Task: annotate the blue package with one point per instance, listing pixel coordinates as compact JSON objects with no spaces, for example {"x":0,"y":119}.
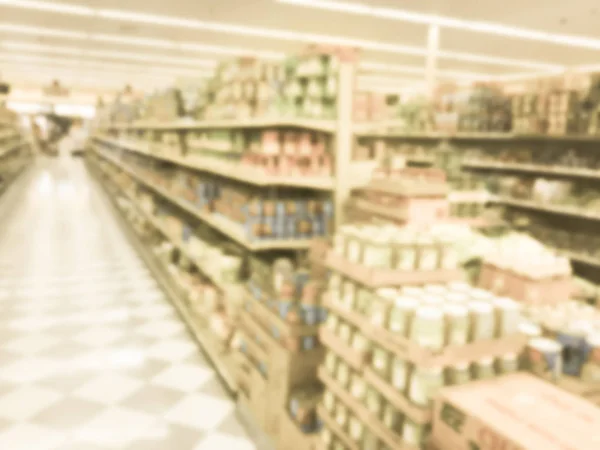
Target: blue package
{"x":323,"y":313}
{"x":310,"y":314}
{"x":308,"y":343}
{"x":284,"y":309}
{"x":573,"y":352}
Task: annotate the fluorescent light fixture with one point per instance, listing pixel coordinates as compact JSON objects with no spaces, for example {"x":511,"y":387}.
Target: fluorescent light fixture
{"x":140,"y":41}
{"x":41,"y":31}
{"x":157,"y":59}
{"x":55,"y":7}
{"x":284,"y":35}
{"x":449,"y":22}
{"x":79,"y":65}
{"x":379,"y":80}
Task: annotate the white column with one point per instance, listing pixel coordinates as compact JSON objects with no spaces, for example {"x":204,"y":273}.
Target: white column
{"x":343,"y":140}
{"x":433,"y":45}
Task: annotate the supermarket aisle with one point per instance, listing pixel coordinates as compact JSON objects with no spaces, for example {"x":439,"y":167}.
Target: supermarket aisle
{"x":92,"y":355}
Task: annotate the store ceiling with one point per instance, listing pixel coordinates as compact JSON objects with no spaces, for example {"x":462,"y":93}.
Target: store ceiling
{"x":76,"y":44}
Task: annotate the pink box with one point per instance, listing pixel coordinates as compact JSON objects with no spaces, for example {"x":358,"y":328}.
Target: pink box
{"x":514,"y":412}
{"x":505,"y":282}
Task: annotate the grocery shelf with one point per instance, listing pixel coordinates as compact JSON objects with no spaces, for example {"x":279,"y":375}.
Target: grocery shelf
{"x":225,"y":226}
{"x":8,"y":134}
{"x":11,"y":148}
{"x":325,"y":126}
{"x":540,"y":169}
{"x":580,"y":258}
{"x":378,"y":131}
{"x":180,"y":246}
{"x":577,"y":212}
{"x":336,"y":429}
{"x":228,"y":170}
{"x":223,"y":362}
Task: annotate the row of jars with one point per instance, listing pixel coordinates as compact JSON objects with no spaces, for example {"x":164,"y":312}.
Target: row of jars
{"x":380,"y":409}
{"x":393,"y":247}
{"x":432,"y":316}
{"x":419,"y":384}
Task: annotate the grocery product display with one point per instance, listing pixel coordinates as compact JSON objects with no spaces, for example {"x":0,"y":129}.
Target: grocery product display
{"x":15,"y":151}
{"x":365,"y":265}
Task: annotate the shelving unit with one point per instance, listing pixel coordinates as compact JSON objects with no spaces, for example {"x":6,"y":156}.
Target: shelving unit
{"x":15,"y":153}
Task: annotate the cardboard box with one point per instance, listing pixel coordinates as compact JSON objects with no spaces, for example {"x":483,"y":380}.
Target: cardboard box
{"x":514,"y":412}
{"x":551,"y":290}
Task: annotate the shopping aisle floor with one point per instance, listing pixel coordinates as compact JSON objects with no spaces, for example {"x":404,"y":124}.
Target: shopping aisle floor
{"x":92,"y":355}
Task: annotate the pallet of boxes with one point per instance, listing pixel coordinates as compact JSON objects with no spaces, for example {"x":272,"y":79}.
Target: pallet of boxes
{"x":401,"y":326}
{"x":280,"y":352}
{"x":564,"y":344}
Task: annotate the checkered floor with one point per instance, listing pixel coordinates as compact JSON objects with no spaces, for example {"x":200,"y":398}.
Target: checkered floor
{"x":92,"y":355}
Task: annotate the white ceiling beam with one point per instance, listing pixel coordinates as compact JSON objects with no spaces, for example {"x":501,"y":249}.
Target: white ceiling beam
{"x":66,"y":50}
{"x":489,"y":28}
{"x":268,"y":33}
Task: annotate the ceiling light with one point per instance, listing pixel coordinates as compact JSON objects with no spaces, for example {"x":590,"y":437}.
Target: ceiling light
{"x":157,"y":59}
{"x":41,"y":31}
{"x":86,"y":63}
{"x":285,"y":35}
{"x":449,"y":22}
{"x":145,"y":42}
{"x":56,"y":7}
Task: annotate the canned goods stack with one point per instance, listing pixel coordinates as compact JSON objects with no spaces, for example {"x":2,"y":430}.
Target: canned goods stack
{"x":564,"y":346}
{"x":392,"y":346}
{"x":279,"y":341}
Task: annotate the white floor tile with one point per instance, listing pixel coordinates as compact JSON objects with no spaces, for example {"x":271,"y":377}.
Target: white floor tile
{"x":31,"y":343}
{"x":216,"y":441}
{"x":109,"y":388}
{"x":31,"y":437}
{"x":173,"y":349}
{"x":200,"y":411}
{"x":183,"y":377}
{"x":29,"y":369}
{"x":99,"y":336}
{"x":161,"y":328}
{"x":23,"y":404}
{"x":116,"y":427}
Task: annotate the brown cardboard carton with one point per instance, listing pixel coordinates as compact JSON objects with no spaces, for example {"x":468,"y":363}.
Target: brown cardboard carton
{"x":514,"y":412}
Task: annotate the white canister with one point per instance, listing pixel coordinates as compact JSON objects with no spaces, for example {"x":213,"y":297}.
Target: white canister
{"x":529,"y":329}
{"x":335,"y":286}
{"x":326,"y":437}
{"x":436,"y":289}
{"x":508,"y":315}
{"x":433,"y":300}
{"x":358,"y":387}
{"x":356,"y":429}
{"x":457,"y":297}
{"x":508,"y":363}
{"x":449,"y":255}
{"x":348,"y":294}
{"x":332,"y":323}
{"x":457,"y":324}
{"x":377,"y":252}
{"x":331,"y":361}
{"x":328,"y":401}
{"x":354,"y":243}
{"x":413,"y":291}
{"x":480,"y":295}
{"x":381,"y":362}
{"x":345,"y":332}
{"x":342,"y":375}
{"x":459,"y":286}
{"x":427,"y":329}
{"x":424,"y":384}
{"x":484,"y":369}
{"x":341,"y":415}
{"x":429,"y":254}
{"x":402,"y":314}
{"x":459,"y":373}
{"x":405,"y":251}
{"x":413,"y":433}
{"x":399,"y":374}
{"x":483,"y":320}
